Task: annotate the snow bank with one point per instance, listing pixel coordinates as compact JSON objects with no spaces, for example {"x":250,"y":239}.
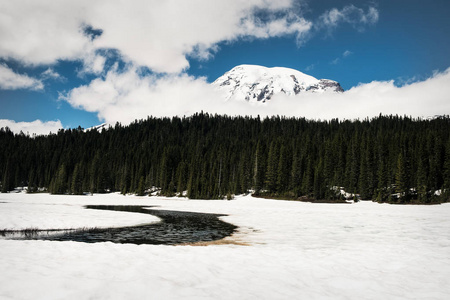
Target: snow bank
{"x":297,"y":251}
{"x":44,"y":211}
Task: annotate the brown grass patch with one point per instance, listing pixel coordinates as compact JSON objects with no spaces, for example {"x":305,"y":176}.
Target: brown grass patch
{"x":224,"y":241}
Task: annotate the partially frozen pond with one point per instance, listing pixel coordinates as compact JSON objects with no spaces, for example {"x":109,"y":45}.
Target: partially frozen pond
{"x":176,"y":227}
{"x":295,"y":250}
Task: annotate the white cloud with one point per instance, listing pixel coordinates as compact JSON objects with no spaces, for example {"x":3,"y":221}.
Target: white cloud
{"x":52,"y":74}
{"x":126,"y":96}
{"x":349,"y":14}
{"x":42,"y":31}
{"x":93,"y":64}
{"x":36,"y":127}
{"x":347,"y":53}
{"x":275,"y":27}
{"x":9,"y":80}
{"x":335,"y":61}
{"x":310,"y":67}
{"x":426,"y":98}
{"x":152,"y":33}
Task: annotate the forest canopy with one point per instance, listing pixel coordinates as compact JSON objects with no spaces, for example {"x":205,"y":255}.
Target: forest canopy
{"x":387,"y":159}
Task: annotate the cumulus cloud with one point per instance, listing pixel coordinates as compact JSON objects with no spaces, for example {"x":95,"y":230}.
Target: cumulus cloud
{"x":152,"y":33}
{"x":9,"y":80}
{"x":36,"y":127}
{"x":42,"y":31}
{"x":127,"y":96}
{"x":350,"y":14}
{"x":93,"y":64}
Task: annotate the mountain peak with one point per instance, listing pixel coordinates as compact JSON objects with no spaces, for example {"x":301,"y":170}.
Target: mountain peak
{"x":258,"y":84}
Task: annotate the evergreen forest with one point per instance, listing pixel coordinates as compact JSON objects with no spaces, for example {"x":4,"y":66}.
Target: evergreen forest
{"x":386,"y":159}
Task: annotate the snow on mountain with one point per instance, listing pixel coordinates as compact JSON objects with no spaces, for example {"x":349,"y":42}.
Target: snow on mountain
{"x":258,"y":84}
{"x":99,"y":128}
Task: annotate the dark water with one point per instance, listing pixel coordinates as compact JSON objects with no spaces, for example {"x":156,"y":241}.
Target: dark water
{"x":175,"y":228}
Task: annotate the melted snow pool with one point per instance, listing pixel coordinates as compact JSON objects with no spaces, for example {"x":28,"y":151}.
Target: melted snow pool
{"x":175,"y":227}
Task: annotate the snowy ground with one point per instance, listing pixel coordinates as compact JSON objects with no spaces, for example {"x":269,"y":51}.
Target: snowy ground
{"x":296,"y":251}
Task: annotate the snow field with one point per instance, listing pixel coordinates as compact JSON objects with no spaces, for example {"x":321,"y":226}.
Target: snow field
{"x":297,"y":251}
{"x":44,"y":211}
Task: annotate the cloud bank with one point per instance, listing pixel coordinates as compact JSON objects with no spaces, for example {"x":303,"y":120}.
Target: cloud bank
{"x":36,"y":127}
{"x":127,"y":96}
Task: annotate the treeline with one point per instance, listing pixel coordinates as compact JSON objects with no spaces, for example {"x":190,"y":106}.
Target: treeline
{"x":387,"y":159}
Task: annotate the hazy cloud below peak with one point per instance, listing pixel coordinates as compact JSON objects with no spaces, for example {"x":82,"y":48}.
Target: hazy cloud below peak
{"x":126,"y":96}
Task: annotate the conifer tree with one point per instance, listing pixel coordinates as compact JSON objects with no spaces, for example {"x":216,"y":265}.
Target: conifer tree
{"x":258,"y":169}
{"x":446,"y":172}
{"x":272,"y":168}
{"x":32,"y":188}
{"x":401,"y":179}
{"x":296,"y":174}
{"x":77,"y":181}
{"x":422,"y":187}
{"x":60,"y":181}
{"x":141,"y":187}
{"x":7,"y":181}
{"x":283,"y":171}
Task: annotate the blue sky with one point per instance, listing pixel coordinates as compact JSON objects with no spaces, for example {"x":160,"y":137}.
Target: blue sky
{"x":53,"y":69}
{"x":410,"y":40}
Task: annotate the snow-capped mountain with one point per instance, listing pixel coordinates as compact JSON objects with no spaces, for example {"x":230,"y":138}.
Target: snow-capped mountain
{"x":258,"y":84}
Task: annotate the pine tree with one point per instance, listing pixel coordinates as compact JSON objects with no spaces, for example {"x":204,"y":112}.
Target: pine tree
{"x":60,"y":181}
{"x":7,"y":181}
{"x":308,"y":179}
{"x":283,"y":171}
{"x":258,"y":169}
{"x":422,"y":187}
{"x":77,"y":181}
{"x":181,"y":177}
{"x":32,"y":188}
{"x":319,"y":186}
{"x":125,"y":181}
{"x":164,"y":173}
{"x":401,"y":179}
{"x":296,"y":174}
{"x":141,"y":187}
{"x":272,"y":168}
{"x":446,"y":172}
